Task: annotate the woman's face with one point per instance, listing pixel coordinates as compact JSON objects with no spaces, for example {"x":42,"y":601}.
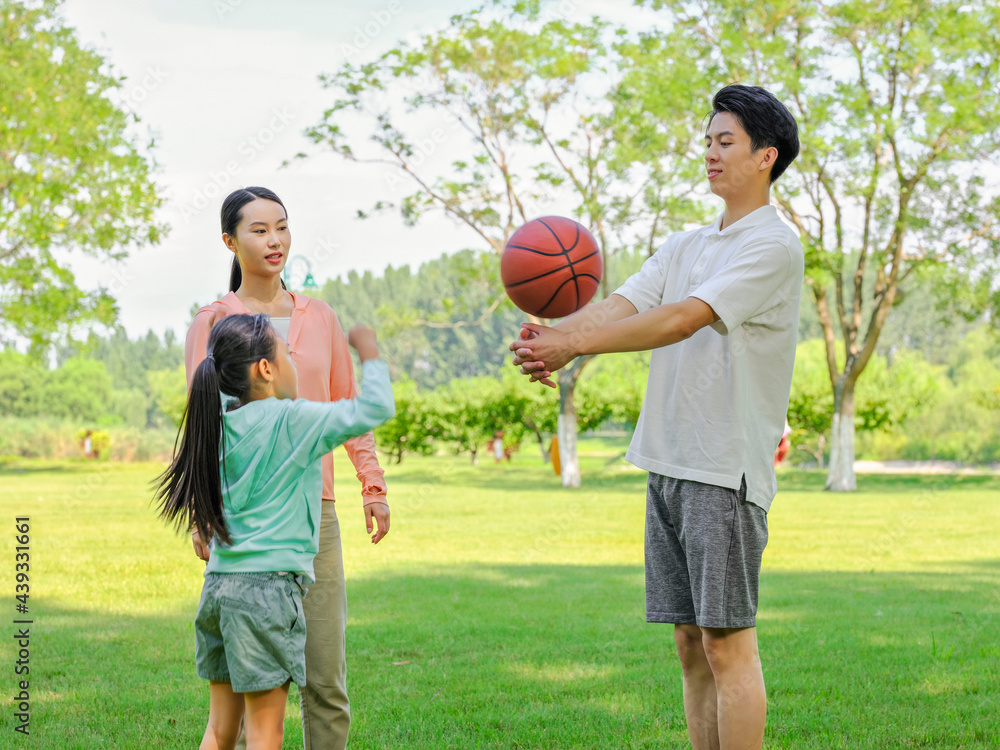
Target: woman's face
{"x":262,"y":239}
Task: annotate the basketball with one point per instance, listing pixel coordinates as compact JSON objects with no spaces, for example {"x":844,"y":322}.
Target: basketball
{"x":551,"y":267}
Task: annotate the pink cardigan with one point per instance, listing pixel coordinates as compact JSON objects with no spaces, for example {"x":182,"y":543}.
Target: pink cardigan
{"x":321,"y":355}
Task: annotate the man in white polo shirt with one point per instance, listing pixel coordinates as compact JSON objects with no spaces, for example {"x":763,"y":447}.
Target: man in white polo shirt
{"x":719,"y":308}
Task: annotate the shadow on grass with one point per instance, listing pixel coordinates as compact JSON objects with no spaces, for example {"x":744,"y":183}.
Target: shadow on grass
{"x":16,"y":466}
{"x":560,"y":657}
{"x":543,"y":656}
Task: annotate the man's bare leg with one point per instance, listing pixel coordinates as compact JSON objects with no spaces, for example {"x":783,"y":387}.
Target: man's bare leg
{"x":701,"y":704}
{"x":739,"y":684}
{"x":724,"y":697}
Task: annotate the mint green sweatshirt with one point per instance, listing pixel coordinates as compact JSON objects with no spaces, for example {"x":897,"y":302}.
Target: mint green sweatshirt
{"x":273,"y":479}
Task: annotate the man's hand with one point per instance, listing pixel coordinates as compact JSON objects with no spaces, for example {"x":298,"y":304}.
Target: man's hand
{"x":200,"y":547}
{"x":380,"y":513}
{"x":542,"y":350}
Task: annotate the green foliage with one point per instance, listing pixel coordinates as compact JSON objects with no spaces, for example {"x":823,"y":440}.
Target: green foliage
{"x":80,"y":389}
{"x":128,"y":360}
{"x":898,"y":112}
{"x":72,"y":176}
{"x":449,"y":318}
{"x":907,"y":408}
{"x":529,"y":115}
{"x":168,"y":389}
{"x":100,"y":442}
{"x":445,"y":319}
{"x":613,"y":388}
{"x":964,"y":423}
{"x":467,"y":413}
{"x":38,"y":437}
{"x":21,"y":385}
{"x":49,"y":438}
{"x":410,"y":430}
{"x":111,"y":381}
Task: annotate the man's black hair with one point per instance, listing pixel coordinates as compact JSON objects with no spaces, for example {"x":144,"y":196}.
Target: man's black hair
{"x":766,"y":120}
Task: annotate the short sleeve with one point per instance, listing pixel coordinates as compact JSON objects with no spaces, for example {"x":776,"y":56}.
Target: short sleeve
{"x":753,"y":281}
{"x":644,"y":289}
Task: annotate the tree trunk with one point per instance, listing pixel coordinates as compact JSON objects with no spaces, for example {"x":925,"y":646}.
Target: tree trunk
{"x":567,"y":450}
{"x":541,"y":439}
{"x":475,"y":457}
{"x":568,"y":378}
{"x":841,"y":477}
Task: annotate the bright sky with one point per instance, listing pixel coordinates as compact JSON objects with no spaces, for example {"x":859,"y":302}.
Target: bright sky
{"x":227,"y":88}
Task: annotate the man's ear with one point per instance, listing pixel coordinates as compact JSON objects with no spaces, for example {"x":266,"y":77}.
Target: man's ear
{"x":770,"y":156}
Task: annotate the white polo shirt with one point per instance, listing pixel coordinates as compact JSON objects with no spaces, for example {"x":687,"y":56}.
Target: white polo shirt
{"x":716,"y":403}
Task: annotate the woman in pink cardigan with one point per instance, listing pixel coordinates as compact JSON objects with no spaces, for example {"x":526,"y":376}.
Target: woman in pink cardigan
{"x":255,"y":229}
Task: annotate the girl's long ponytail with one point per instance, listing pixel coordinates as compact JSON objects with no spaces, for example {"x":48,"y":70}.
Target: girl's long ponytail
{"x":189,"y":492}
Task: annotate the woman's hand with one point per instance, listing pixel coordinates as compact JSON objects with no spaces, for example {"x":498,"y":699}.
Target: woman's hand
{"x":380,"y":512}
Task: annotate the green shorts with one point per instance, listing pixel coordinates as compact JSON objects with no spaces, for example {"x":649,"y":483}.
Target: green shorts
{"x":250,"y":630}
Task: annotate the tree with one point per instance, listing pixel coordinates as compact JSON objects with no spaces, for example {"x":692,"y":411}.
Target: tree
{"x":168,"y":396}
{"x":20,"y":387}
{"x":526,"y":408}
{"x":465,"y":413}
{"x":72,"y":176}
{"x":898,"y":105}
{"x":445,"y":318}
{"x":411,"y":427}
{"x":891,"y":395}
{"x":531,"y":125}
{"x":79,"y":390}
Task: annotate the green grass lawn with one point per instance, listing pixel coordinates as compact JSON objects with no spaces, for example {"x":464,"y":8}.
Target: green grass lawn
{"x":505,"y":612}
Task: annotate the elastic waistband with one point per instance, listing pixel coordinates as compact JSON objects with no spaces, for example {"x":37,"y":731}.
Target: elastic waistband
{"x":266,"y":580}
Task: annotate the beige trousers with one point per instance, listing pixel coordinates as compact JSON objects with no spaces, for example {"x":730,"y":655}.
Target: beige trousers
{"x":326,"y":711}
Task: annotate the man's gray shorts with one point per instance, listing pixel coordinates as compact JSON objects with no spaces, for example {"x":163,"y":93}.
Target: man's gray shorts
{"x":703,"y":549}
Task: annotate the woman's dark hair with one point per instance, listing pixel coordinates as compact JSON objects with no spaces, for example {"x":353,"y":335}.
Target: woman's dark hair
{"x":766,"y":120}
{"x":232,"y":215}
{"x":189,"y":492}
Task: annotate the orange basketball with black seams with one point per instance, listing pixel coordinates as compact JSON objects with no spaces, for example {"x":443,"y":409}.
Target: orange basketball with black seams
{"x":551,"y":267}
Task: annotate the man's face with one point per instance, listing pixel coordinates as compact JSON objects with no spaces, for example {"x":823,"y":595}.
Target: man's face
{"x":732,"y":166}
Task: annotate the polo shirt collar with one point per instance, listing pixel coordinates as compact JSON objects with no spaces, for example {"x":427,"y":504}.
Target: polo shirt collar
{"x":762,"y":215}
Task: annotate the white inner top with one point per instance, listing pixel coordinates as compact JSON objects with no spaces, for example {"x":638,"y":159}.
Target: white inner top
{"x":281,"y":325}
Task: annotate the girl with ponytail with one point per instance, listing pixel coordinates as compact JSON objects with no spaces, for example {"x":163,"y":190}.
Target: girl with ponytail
{"x":255,"y":229}
{"x":248,"y":476}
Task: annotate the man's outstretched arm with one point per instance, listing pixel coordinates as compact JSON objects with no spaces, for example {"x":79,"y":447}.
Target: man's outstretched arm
{"x":660,"y":326}
{"x":609,"y":310}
